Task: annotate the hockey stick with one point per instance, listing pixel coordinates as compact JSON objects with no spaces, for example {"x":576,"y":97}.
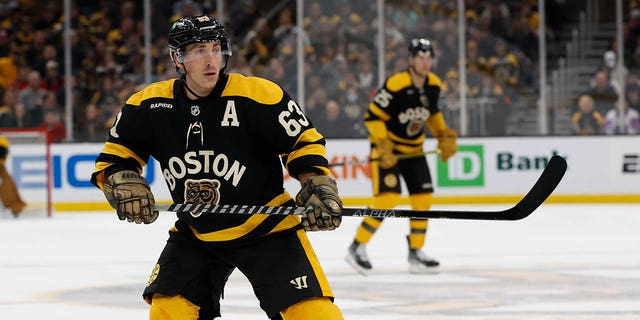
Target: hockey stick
{"x":547,"y":182}
{"x":400,"y":157}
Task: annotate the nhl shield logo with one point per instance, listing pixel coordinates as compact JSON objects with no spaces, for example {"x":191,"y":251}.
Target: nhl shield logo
{"x":195,"y":110}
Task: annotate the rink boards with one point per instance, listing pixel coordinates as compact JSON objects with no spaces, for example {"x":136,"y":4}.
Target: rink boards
{"x":485,"y":170}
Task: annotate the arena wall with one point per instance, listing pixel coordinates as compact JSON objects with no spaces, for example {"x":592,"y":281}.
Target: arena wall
{"x":485,"y":170}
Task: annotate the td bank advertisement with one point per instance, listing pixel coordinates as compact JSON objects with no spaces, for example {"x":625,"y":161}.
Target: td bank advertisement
{"x":600,"y":169}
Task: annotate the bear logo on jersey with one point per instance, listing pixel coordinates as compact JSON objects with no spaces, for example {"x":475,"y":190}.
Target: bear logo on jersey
{"x":203,"y":191}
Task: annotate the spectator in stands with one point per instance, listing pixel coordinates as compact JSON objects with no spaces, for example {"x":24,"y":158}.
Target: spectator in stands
{"x":54,"y":80}
{"x":107,"y":95}
{"x":504,"y":65}
{"x":633,"y":95}
{"x":39,"y":52}
{"x":9,"y":99}
{"x":497,"y":103}
{"x":524,"y":37}
{"x":5,"y":43}
{"x":185,"y":8}
{"x":315,"y":22}
{"x":285,"y":39}
{"x":622,"y":122}
{"x":276,"y":72}
{"x":366,"y":76}
{"x":316,"y":96}
{"x":9,"y":68}
{"x":586,"y":120}
{"x":244,"y":13}
{"x":603,"y":93}
{"x":610,"y":67}
{"x":475,"y":63}
{"x":20,"y":113}
{"x":93,"y":129}
{"x":53,"y":123}
{"x":499,"y":15}
{"x":333,"y":123}
{"x":450,"y":98}
{"x":24,"y":34}
{"x":31,"y":97}
{"x":257,"y":43}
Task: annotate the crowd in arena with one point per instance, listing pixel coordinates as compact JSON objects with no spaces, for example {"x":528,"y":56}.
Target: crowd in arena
{"x":340,"y":48}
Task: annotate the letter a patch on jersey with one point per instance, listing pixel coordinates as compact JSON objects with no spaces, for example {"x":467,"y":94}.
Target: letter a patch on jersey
{"x":230,"y":117}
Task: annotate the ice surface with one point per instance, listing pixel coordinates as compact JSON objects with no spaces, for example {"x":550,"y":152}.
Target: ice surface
{"x":562,"y":262}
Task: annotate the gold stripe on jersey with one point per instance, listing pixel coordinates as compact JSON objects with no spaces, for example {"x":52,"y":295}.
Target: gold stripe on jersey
{"x":122,"y":152}
{"x":377,"y":130}
{"x":416,"y":141}
{"x":307,"y":145}
{"x":378,"y":112}
{"x":250,"y":224}
{"x":117,"y":150}
{"x":402,"y":80}
{"x":407,"y":145}
{"x":434,"y":80}
{"x":163,"y":89}
{"x":315,"y":264}
{"x":399,"y":81}
{"x":257,"y":89}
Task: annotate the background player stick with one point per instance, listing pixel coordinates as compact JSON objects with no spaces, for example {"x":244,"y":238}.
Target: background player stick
{"x":400,"y":157}
{"x":547,"y":182}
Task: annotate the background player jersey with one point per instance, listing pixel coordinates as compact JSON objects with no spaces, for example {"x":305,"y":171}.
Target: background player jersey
{"x":225,"y":148}
{"x":404,"y":109}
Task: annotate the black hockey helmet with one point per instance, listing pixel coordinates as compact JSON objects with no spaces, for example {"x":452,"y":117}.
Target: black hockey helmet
{"x":193,"y":29}
{"x":421,"y":46}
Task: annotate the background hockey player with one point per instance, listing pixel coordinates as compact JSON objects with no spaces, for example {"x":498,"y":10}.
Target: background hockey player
{"x":222,"y":139}
{"x":395,"y":122}
{"x":9,"y":194}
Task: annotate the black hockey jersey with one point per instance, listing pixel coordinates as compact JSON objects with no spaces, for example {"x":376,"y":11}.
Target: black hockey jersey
{"x":400,"y":110}
{"x":226,"y":148}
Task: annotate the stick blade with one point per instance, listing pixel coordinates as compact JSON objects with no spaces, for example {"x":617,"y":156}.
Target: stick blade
{"x":542,"y":189}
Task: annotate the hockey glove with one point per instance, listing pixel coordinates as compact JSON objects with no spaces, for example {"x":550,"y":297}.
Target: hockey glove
{"x":447,"y":143}
{"x":130,"y":194}
{"x":323,"y":207}
{"x":386,"y":156}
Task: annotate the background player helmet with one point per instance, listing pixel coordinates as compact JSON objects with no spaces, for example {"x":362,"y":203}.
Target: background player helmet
{"x":194,"y":29}
{"x":421,"y":46}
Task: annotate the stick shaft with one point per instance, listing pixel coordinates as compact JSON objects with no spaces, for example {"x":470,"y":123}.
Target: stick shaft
{"x":544,"y":186}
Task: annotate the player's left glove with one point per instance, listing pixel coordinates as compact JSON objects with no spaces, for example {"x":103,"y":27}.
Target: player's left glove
{"x":130,"y":194}
{"x":447,"y":144}
{"x":323,"y":207}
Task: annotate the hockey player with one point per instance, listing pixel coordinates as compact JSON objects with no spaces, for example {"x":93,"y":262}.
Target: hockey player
{"x":222,"y":139}
{"x":8,"y":192}
{"x":395,"y":121}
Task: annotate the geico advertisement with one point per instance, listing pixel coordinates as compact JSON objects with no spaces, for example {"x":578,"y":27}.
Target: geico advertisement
{"x":506,"y":166}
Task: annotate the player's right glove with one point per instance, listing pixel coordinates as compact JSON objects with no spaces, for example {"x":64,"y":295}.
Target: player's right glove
{"x":323,"y":207}
{"x":130,"y":194}
{"x":385,"y":153}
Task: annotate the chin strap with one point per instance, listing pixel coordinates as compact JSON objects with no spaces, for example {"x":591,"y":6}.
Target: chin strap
{"x":184,"y":81}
